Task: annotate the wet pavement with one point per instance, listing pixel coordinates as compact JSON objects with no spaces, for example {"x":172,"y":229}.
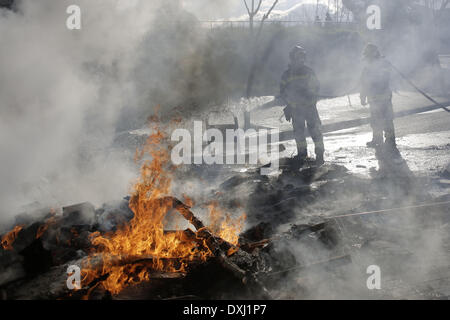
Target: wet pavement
{"x":423,"y":138}
{"x":411,"y":249}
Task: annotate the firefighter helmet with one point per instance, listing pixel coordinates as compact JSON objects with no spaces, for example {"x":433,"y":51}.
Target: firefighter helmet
{"x":297,"y":53}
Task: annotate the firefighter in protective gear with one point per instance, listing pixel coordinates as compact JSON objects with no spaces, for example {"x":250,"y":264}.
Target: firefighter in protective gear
{"x":376,"y":91}
{"x":299,"y":89}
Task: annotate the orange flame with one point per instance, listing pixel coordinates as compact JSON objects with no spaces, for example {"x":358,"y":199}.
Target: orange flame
{"x":9,"y":238}
{"x":144,"y":237}
{"x":223,"y":225}
{"x":49,"y":222}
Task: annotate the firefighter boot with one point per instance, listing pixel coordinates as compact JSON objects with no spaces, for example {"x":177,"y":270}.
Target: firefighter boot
{"x":320,"y":150}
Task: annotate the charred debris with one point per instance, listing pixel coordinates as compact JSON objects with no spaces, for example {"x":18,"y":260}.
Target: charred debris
{"x":273,"y":258}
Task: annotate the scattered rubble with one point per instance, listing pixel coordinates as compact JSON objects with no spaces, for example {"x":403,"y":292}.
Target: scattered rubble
{"x":315,"y":221}
{"x":35,"y":267}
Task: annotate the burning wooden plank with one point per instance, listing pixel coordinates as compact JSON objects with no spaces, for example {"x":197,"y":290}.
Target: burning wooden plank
{"x":215,"y":247}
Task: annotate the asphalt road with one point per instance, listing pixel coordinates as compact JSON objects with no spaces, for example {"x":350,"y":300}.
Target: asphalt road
{"x":423,"y":137}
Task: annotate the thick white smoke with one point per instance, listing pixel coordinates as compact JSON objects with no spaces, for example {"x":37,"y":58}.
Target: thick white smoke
{"x":214,"y":9}
{"x":61,"y":92}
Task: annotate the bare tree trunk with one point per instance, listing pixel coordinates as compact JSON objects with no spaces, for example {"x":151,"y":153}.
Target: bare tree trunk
{"x":265,"y":17}
{"x":444,"y":5}
{"x":252,"y":13}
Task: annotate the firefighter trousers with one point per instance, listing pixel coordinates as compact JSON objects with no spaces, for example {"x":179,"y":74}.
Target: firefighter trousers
{"x":382,"y":122}
{"x":307,"y":117}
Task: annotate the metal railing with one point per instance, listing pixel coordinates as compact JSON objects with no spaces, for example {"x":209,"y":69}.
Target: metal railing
{"x":445,"y":60}
{"x":286,"y":23}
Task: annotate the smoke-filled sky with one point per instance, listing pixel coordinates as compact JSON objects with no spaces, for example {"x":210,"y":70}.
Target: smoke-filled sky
{"x":61,"y":92}
{"x":219,"y":9}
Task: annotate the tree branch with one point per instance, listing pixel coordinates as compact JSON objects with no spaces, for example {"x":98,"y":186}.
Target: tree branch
{"x":444,"y":5}
{"x":258,"y":7}
{"x":246,"y":6}
{"x":266,"y":16}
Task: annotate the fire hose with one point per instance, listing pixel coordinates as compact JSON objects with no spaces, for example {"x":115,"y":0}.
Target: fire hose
{"x":348,"y":92}
{"x":404,"y":77}
{"x":347,"y":258}
{"x":416,"y":87}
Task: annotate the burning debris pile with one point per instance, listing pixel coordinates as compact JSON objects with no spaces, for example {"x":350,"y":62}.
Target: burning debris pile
{"x":36,"y":257}
{"x":153,"y":245}
{"x":126,"y":250}
{"x":157,"y":264}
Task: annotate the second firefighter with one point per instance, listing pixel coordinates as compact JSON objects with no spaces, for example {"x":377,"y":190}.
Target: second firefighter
{"x":299,"y":89}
